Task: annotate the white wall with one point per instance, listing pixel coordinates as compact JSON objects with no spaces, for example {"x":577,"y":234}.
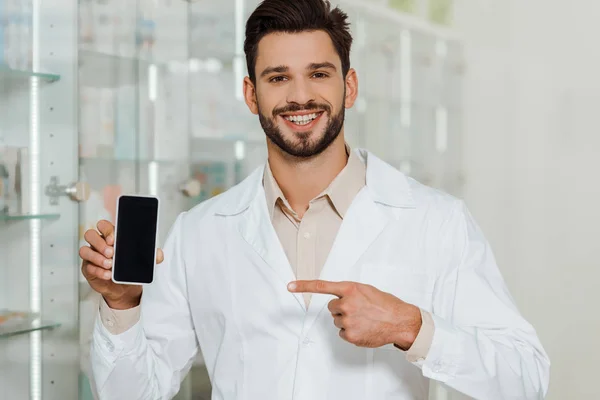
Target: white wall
{"x":532,"y":160}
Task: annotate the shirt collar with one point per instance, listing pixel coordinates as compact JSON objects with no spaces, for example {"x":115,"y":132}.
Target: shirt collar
{"x":341,"y":191}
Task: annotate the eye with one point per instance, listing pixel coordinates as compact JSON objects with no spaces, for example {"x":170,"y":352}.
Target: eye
{"x":277,"y":79}
{"x":320,"y":75}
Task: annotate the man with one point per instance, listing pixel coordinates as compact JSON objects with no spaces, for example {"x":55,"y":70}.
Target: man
{"x":391,"y":283}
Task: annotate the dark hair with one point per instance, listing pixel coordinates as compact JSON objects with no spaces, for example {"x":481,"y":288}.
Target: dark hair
{"x":295,"y":16}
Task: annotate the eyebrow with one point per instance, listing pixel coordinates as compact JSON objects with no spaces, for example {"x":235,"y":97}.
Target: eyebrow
{"x":323,"y":65}
{"x":270,"y":70}
{"x":280,"y":69}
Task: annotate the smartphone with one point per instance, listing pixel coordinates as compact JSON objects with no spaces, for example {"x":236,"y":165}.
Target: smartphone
{"x":136,"y":232}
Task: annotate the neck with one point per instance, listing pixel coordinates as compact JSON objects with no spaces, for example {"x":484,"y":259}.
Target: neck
{"x":301,"y":180}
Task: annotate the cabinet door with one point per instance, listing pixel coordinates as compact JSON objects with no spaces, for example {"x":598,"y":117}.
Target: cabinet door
{"x":39,"y":262}
{"x":134,"y":120}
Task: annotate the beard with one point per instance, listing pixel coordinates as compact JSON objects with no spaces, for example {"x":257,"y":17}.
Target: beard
{"x":304,"y":147}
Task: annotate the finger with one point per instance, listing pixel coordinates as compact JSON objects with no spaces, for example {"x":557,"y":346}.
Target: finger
{"x":91,"y":256}
{"x":110,"y":240}
{"x":98,"y":243}
{"x":107,"y":230}
{"x":160,"y":256}
{"x":338,"y":322}
{"x":339,"y":289}
{"x":97,"y":272}
{"x":334,"y":307}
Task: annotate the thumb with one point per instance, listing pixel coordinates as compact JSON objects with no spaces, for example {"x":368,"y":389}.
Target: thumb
{"x":160,"y":256}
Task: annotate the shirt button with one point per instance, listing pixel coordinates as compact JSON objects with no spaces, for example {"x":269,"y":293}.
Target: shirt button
{"x":307,"y":342}
{"x":306,"y":235}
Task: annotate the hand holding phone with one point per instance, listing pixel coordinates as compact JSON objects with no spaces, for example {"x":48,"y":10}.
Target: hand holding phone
{"x":97,"y":267}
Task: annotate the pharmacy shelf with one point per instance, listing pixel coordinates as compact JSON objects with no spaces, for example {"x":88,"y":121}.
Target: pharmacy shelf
{"x":103,"y":70}
{"x":27,"y":326}
{"x":46,"y":217}
{"x":215,"y":145}
{"x":110,"y":71}
{"x":11,"y":75}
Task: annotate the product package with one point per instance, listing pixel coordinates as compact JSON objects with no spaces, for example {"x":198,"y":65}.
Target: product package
{"x":15,"y":180}
{"x":8,"y":195}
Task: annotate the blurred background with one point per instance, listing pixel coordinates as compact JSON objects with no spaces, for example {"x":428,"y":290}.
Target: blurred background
{"x":496,"y":102}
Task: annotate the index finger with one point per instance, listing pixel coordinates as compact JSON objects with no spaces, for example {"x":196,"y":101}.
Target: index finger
{"x":339,"y":289}
{"x":106,"y":229}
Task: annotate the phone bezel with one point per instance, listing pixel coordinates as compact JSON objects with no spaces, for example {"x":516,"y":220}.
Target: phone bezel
{"x":115,"y":243}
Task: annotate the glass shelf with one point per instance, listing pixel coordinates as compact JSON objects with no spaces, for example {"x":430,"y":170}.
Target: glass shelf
{"x":48,"y":217}
{"x":10,"y":76}
{"x":27,"y":326}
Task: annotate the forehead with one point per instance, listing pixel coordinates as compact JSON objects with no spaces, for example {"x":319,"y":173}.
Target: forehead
{"x":296,"y":50}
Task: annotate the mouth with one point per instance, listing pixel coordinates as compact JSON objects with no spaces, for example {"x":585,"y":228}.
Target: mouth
{"x":304,"y":120}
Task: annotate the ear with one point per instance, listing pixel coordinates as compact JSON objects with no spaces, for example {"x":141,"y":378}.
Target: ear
{"x":351,"y":88}
{"x":250,"y":95}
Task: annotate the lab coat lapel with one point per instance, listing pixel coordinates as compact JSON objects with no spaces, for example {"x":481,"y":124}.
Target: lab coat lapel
{"x":361,"y":226}
{"x":257,"y":229}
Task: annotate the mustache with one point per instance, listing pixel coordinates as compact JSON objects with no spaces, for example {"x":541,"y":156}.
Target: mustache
{"x":293,"y":107}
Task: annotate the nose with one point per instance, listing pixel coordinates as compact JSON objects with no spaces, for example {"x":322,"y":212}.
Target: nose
{"x":300,"y":92}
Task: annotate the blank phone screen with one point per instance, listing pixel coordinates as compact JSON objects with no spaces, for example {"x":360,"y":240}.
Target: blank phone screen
{"x":135,"y":243}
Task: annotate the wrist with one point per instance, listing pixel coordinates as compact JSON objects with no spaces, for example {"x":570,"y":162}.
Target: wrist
{"x":123,"y":304}
{"x":408,"y":329}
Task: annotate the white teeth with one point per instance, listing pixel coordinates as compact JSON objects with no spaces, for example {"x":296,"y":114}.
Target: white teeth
{"x":301,"y":119}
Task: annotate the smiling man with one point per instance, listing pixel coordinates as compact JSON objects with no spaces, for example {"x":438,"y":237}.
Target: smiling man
{"x":326,"y":274}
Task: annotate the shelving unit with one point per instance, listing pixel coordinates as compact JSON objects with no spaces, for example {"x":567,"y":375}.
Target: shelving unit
{"x":39,"y":357}
{"x":14,"y":218}
{"x":9,"y":75}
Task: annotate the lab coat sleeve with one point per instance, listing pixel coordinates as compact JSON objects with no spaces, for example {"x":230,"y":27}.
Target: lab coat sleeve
{"x":482,"y":346}
{"x":150,"y":360}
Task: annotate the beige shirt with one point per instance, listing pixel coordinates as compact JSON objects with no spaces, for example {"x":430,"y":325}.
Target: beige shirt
{"x":306,"y":242}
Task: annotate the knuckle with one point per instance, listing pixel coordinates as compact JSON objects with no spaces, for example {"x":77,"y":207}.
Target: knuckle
{"x":320,"y":285}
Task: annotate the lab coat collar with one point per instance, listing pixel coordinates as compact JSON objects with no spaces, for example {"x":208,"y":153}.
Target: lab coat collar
{"x":387,"y":186}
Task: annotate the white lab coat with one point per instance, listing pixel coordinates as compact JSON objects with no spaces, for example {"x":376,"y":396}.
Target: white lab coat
{"x":222,"y":288}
